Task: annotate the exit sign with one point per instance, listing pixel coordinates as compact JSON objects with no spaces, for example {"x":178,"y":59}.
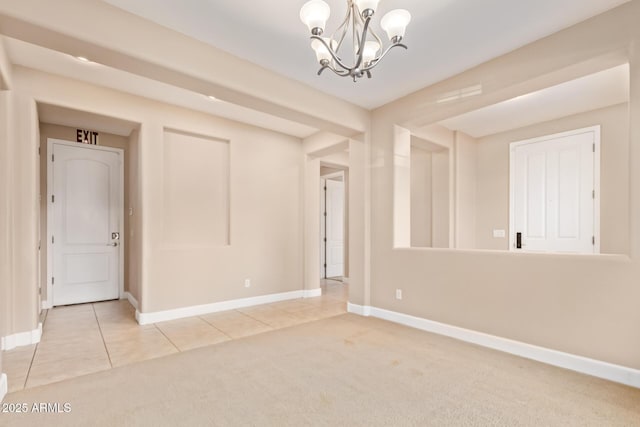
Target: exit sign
{"x":86,"y":136}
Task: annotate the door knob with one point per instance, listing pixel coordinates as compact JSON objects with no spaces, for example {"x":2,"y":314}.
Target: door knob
{"x":112,"y":244}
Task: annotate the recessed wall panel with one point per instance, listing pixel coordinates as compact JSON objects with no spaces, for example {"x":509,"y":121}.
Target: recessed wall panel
{"x":196,"y":190}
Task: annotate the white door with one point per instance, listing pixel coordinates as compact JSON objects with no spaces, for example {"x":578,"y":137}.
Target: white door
{"x":85,"y":200}
{"x":335,"y":228}
{"x":553,"y":193}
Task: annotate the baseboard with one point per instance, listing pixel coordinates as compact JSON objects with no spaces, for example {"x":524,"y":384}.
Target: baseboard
{"x":21,"y":339}
{"x":132,"y":300}
{"x":593,"y":367}
{"x":4,"y":386}
{"x":46,"y":305}
{"x":198,"y":310}
{"x":312,"y":293}
{"x":362,"y":310}
{"x":345,"y":280}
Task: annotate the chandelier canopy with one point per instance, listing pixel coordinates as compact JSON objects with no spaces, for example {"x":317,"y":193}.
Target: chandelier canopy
{"x":367,"y":45}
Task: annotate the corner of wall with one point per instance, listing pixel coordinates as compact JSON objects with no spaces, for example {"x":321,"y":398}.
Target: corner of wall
{"x":4,"y":386}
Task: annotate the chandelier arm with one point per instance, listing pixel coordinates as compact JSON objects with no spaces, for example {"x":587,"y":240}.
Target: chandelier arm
{"x":375,"y":36}
{"x":344,"y":28}
{"x":329,"y":67}
{"x":333,"y":54}
{"x":377,"y":60}
{"x":361,"y":43}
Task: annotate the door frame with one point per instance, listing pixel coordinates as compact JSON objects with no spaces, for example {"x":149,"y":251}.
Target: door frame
{"x":596,"y":178}
{"x":50,"y":142}
{"x":323,"y":219}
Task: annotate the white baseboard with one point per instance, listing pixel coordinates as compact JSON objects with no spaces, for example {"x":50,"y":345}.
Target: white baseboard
{"x":4,"y":386}
{"x":362,"y":310}
{"x":593,"y":367}
{"x":345,"y":280}
{"x":46,"y":305}
{"x":312,"y":293}
{"x":132,"y":300}
{"x":21,"y":339}
{"x":198,"y":310}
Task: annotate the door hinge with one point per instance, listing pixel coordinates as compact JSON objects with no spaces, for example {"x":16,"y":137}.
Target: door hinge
{"x":38,"y":150}
{"x":53,"y":239}
{"x":593,"y":194}
{"x":593,"y":240}
{"x":325,"y":240}
{"x":53,"y":280}
{"x":53,"y":198}
{"x":594,"y":147}
{"x":53,"y":157}
{"x":325,"y":214}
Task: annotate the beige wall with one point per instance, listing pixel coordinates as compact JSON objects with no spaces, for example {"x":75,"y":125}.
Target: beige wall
{"x":66,"y":133}
{"x":421,"y":198}
{"x":429,"y":196}
{"x":492,"y":199}
{"x":133,"y":222}
{"x":23,"y":212}
{"x":465,"y":190}
{"x":266,"y":202}
{"x":5,"y":238}
{"x":441,"y":198}
{"x":585,"y":305}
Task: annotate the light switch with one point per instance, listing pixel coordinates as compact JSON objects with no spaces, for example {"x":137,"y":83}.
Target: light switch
{"x":499,"y":234}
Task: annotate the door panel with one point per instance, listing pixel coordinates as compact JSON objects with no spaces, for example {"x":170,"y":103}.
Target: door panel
{"x":335,"y":228}
{"x":86,"y":211}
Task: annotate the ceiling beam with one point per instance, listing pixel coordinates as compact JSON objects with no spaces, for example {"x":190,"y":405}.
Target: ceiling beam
{"x":114,"y":38}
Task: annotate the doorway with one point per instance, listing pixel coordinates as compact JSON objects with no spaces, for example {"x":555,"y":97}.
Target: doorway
{"x":555,"y":192}
{"x":85,"y":186}
{"x":332,"y":226}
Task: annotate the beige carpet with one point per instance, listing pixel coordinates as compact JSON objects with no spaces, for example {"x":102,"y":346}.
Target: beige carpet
{"x":346,"y":370}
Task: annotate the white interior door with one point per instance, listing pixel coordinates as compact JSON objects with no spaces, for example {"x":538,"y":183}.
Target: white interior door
{"x":554,"y":193}
{"x":335,"y":228}
{"x":85,"y":200}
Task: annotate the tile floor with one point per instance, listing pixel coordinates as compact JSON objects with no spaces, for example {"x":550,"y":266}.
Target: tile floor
{"x":82,"y":339}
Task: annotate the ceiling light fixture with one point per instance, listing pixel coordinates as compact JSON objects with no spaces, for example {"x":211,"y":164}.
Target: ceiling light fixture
{"x":367,"y":46}
{"x":82,"y":59}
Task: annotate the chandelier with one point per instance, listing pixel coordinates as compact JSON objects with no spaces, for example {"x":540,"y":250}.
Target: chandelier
{"x":367,"y":46}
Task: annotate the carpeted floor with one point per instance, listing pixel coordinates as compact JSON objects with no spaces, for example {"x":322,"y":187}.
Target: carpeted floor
{"x":347,"y":370}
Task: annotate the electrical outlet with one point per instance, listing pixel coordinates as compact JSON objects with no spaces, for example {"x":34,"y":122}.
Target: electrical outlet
{"x":247,"y":283}
{"x":398,"y":293}
{"x":499,"y":234}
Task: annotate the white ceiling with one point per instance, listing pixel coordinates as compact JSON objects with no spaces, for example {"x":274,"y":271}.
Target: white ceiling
{"x":599,"y":90}
{"x":445,"y":37}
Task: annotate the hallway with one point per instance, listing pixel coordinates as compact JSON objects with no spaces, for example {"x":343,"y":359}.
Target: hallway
{"x":87,"y":338}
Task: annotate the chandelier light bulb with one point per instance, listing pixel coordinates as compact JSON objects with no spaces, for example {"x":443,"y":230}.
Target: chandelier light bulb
{"x":364,"y":5}
{"x":371,"y":49}
{"x":322,"y":53}
{"x":314,"y":14}
{"x":395,"y":23}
